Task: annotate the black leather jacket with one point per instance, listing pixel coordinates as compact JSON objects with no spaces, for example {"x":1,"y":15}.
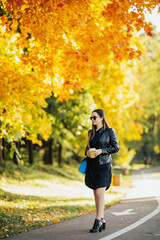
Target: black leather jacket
{"x":108,"y":143}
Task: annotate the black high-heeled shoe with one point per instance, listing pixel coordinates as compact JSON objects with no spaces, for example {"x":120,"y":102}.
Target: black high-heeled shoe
{"x":103,"y":223}
{"x":97,"y":226}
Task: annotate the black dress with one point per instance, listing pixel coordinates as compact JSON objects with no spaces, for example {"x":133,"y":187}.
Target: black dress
{"x":97,"y":176}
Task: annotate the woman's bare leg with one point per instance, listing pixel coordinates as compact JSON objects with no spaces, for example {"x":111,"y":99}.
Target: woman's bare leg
{"x":94,"y":191}
{"x":99,"y":202}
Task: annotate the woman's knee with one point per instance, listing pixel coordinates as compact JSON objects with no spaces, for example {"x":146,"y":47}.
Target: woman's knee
{"x":100,"y":192}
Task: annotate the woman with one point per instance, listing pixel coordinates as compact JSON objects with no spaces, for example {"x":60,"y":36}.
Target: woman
{"x":99,"y":173}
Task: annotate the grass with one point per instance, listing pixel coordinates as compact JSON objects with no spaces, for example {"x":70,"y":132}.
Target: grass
{"x":139,"y":166}
{"x":22,"y":213}
{"x":39,"y":195}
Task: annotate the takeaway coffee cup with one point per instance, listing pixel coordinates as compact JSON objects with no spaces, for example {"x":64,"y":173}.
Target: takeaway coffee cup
{"x":92,"y":152}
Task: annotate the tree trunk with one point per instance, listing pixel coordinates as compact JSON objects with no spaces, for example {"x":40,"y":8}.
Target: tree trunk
{"x":48,"y":155}
{"x":50,"y":152}
{"x":45,"y":156}
{"x":4,"y":149}
{"x":30,"y":148}
{"x":14,"y":157}
{"x":60,"y":155}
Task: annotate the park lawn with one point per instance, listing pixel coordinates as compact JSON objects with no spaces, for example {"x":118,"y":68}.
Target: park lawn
{"x":38,"y":195}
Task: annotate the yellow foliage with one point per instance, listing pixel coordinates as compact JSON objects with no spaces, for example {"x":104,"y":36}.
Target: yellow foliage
{"x":52,"y":46}
{"x":21,"y":97}
{"x":125,"y":156}
{"x":70,"y":40}
{"x":157,"y":149}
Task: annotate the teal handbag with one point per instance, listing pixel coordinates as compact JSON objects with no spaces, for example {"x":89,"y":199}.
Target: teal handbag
{"x":83,"y":166}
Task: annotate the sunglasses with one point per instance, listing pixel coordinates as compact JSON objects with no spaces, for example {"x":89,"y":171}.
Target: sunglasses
{"x":94,"y":117}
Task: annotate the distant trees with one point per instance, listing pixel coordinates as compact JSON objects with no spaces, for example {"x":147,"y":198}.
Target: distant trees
{"x":148,"y":75}
{"x":69,"y":124}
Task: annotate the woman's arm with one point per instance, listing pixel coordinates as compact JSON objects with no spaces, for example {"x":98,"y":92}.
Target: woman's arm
{"x":114,"y":144}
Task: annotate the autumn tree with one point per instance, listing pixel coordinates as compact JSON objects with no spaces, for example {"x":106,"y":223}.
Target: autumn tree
{"x":116,"y":91}
{"x":60,"y":46}
{"x":70,"y":124}
{"x":148,"y":74}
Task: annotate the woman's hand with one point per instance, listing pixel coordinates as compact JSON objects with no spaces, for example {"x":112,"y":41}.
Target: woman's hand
{"x":88,"y":154}
{"x":97,"y":152}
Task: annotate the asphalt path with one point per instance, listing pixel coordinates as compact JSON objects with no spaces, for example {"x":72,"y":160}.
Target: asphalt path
{"x":136,"y":217}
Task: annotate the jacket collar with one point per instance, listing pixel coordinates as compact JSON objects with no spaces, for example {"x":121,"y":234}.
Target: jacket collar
{"x":101,"y":130}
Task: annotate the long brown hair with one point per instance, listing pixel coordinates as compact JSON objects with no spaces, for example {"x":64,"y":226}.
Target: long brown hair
{"x":101,"y":113}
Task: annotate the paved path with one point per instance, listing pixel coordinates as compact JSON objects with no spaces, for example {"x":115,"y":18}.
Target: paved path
{"x":137,"y":217}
